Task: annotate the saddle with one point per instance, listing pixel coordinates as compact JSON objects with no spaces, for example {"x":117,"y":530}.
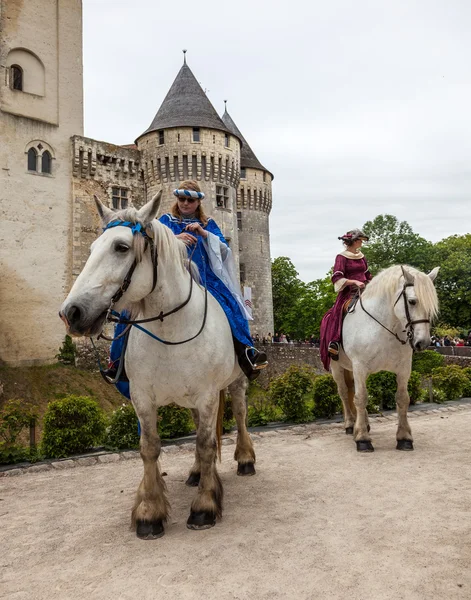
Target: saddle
{"x":350,"y":304}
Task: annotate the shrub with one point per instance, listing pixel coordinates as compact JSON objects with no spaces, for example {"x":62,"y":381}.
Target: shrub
{"x":414,"y":387}
{"x":327,"y":402}
{"x":424,"y":362}
{"x":467,"y":387}
{"x":228,"y":420}
{"x":438,"y":396}
{"x":122,"y":432}
{"x":174,"y":421}
{"x":450,"y":380}
{"x":67,"y":352}
{"x":15,"y":417}
{"x":289,"y":392}
{"x":72,"y":425}
{"x":382,"y":387}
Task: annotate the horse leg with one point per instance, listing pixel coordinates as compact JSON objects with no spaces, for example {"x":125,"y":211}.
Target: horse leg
{"x":195,"y":471}
{"x":361,"y":430}
{"x":404,"y":433}
{"x":340,"y":377}
{"x":207,"y":505}
{"x":350,"y":410}
{"x":151,"y":506}
{"x":244,"y":453}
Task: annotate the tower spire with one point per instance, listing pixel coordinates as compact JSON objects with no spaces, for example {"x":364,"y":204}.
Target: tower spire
{"x":184,"y":57}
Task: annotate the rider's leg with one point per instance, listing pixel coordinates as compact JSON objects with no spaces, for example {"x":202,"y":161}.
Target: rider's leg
{"x":251,"y":360}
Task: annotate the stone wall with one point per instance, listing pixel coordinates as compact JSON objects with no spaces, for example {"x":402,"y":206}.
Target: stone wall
{"x":36,"y":206}
{"x":254,"y":201}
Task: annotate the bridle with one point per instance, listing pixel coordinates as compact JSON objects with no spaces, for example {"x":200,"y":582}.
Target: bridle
{"x":115,"y":317}
{"x":409,"y":330}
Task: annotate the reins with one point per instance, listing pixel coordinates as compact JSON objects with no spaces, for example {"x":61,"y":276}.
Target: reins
{"x":409,"y":330}
{"x":115,"y":317}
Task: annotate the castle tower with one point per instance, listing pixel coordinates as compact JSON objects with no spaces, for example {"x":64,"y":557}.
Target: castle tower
{"x":188,"y":140}
{"x":254,"y":201}
{"x":41,"y":107}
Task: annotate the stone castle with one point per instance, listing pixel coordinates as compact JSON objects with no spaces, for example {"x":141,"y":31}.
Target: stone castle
{"x":49,"y":173}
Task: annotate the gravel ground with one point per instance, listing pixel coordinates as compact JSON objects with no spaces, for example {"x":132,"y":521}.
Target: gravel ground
{"x":319,"y":521}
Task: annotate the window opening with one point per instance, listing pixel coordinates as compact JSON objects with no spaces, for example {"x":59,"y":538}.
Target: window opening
{"x":239,"y":221}
{"x":196,"y":134}
{"x":119,"y":197}
{"x":46,"y":162}
{"x":161,"y":137}
{"x":222,"y":196}
{"x":17,"y":78}
{"x":226,"y":140}
{"x":32,"y":160}
{"x":243,"y":173}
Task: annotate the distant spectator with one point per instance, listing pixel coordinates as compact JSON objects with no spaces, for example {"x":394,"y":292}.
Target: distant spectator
{"x":276,"y":338}
{"x":446,"y":341}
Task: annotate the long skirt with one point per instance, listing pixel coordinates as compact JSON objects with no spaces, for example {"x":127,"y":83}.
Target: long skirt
{"x":331,"y":326}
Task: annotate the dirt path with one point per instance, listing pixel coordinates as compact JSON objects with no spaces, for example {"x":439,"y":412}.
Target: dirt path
{"x":319,"y":521}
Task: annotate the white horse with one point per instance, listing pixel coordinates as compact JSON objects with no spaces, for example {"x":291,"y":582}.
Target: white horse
{"x":145,"y":269}
{"x":391,"y":320}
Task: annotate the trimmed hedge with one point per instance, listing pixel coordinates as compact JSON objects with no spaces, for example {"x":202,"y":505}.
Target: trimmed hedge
{"x":450,"y":380}
{"x":122,"y":432}
{"x":71,"y":426}
{"x":424,"y":362}
{"x":327,"y":402}
{"x":174,"y":421}
{"x":290,"y":393}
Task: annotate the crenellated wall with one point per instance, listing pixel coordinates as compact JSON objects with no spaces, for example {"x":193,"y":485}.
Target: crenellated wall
{"x":98,"y":168}
{"x":208,"y":161}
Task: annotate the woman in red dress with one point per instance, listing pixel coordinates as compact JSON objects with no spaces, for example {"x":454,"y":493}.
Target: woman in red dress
{"x":350,"y":274}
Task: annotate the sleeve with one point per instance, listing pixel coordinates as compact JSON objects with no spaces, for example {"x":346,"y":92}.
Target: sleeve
{"x":222,"y":263}
{"x":368,"y":275}
{"x":338,"y":277}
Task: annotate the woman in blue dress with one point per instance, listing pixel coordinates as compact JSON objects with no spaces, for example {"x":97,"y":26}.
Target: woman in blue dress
{"x":211,"y":253}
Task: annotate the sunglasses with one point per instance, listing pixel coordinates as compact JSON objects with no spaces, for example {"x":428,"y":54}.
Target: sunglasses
{"x":189,"y":200}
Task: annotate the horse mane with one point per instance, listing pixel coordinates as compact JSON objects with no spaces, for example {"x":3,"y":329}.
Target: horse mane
{"x":387,"y":282}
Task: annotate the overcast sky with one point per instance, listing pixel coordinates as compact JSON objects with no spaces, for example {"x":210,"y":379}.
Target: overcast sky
{"x":358,"y":107}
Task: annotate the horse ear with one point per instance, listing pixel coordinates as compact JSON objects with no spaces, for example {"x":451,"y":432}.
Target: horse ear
{"x":434,"y":273}
{"x":409,"y":278}
{"x":106,"y":214}
{"x":149,"y":211}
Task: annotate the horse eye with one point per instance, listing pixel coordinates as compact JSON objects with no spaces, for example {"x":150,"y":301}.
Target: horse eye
{"x":121,"y":248}
{"x":413,"y":302}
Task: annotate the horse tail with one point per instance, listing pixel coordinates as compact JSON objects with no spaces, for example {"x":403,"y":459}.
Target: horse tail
{"x":222,"y":402}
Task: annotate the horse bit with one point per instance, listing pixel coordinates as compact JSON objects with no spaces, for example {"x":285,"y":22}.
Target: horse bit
{"x":409,"y":325}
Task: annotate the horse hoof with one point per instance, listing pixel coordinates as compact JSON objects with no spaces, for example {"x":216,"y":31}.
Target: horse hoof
{"x":245,"y":469}
{"x":349,"y":430}
{"x":404,"y":445}
{"x":193,"y":480}
{"x":365,"y":446}
{"x":149,"y":530}
{"x":201,"y":520}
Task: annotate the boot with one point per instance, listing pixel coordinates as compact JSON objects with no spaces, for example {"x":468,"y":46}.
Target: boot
{"x":251,"y":361}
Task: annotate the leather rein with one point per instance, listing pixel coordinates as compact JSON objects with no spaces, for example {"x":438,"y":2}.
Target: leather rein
{"x":409,"y":330}
{"x":115,"y":317}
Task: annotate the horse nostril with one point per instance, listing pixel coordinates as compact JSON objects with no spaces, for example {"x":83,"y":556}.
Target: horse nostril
{"x":73,"y":314}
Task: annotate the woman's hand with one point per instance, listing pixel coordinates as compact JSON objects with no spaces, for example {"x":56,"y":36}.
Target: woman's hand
{"x":358,"y":284}
{"x":196,"y":228}
{"x":186,"y":238}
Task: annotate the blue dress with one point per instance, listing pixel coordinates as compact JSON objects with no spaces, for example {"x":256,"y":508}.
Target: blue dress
{"x":237,"y":321}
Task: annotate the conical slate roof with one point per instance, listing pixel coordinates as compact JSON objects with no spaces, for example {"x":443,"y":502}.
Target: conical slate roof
{"x":247,"y":155}
{"x":186,"y":105}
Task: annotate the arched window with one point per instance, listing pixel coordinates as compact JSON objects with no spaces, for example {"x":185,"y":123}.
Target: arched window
{"x":16,"y":74}
{"x":46,"y":162}
{"x":32,"y":159}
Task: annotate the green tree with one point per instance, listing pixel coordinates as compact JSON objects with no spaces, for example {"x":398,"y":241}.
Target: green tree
{"x":453,"y":255}
{"x":287,"y":289}
{"x":394,"y":242}
{"x":315,"y":300}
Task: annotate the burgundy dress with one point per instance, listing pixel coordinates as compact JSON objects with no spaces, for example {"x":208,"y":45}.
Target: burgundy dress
{"x":331,"y":325}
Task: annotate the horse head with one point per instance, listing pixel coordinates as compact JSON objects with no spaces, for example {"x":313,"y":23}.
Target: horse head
{"x":416,"y":305}
{"x":116,"y":256}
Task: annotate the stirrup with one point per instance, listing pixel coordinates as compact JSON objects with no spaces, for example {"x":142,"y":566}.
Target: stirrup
{"x":334,"y":350}
{"x":260,"y":358}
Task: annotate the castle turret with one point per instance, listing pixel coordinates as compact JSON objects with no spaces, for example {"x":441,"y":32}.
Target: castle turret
{"x":254,"y":201}
{"x":188,"y":140}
